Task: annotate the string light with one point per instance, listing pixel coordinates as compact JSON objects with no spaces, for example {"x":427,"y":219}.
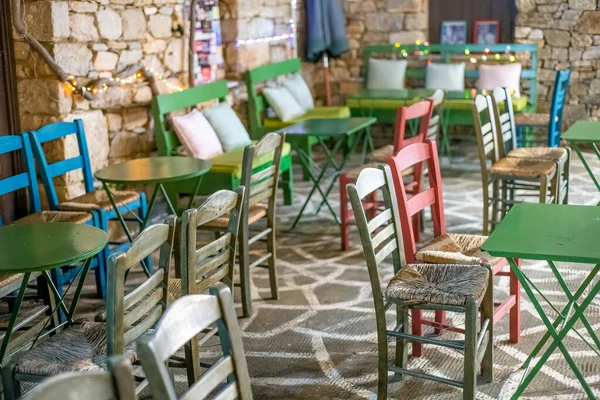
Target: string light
{"x":467,"y":51}
{"x":275,"y":38}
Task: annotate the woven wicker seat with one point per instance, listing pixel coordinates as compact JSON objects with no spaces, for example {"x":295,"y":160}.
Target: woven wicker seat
{"x":532,"y":119}
{"x":7,"y":279}
{"x":56,"y":216}
{"x":438,"y":284}
{"x":98,"y":199}
{"x":523,"y":167}
{"x":549,"y":153}
{"x":456,"y":248}
{"x":174,"y":288}
{"x":81,"y":347}
{"x":255,"y":213}
{"x":381,"y":154}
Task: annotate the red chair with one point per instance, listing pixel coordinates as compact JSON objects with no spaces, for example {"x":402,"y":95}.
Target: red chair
{"x":421,"y":111}
{"x":445,"y":248}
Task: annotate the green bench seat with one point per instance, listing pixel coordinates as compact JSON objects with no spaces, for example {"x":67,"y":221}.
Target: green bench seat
{"x":231,"y":162}
{"x":317,"y":113}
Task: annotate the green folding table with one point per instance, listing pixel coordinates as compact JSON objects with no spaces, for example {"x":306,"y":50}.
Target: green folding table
{"x":346,"y":133}
{"x":39,"y":248}
{"x":585,"y":132}
{"x":553,"y":232}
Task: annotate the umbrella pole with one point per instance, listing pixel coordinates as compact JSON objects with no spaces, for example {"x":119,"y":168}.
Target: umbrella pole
{"x":326,"y":79}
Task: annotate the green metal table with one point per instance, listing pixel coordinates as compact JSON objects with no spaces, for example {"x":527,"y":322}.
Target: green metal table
{"x":39,"y":248}
{"x":553,"y":232}
{"x":585,"y":132}
{"x":342,"y":131}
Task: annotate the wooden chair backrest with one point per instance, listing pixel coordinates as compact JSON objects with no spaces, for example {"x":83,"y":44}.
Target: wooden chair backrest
{"x":184,"y":320}
{"x":381,"y":235}
{"x":115,"y":384}
{"x":421,"y":111}
{"x":23,"y":180}
{"x":504,"y":119}
{"x":436,"y":117}
{"x":53,"y":169}
{"x":485,"y":132}
{"x":204,"y":267}
{"x":561,"y":85}
{"x":131,"y":315}
{"x":414,"y":156}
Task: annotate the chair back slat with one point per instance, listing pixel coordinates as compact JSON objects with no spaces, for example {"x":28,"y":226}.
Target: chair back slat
{"x":436,"y":117}
{"x":62,"y":167}
{"x":504,"y":117}
{"x":14,"y":183}
{"x":186,"y":318}
{"x":561,"y":85}
{"x":130,"y":315}
{"x":421,"y":111}
{"x":421,"y":200}
{"x":379,"y":220}
{"x":10,"y":143}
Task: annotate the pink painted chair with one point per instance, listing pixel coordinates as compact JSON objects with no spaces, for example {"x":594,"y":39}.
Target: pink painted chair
{"x":445,"y":248}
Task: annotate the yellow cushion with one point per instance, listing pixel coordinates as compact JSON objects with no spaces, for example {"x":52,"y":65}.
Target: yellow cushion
{"x":317,"y":113}
{"x":231,"y":162}
{"x":381,"y":103}
{"x":519,"y":104}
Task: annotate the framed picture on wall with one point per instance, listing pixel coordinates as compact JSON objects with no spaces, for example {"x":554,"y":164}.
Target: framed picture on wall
{"x":453,"y":32}
{"x":486,"y":32}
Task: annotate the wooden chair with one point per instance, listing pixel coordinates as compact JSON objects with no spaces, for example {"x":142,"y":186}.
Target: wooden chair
{"x":416,"y":287}
{"x":420,"y":112}
{"x":261,"y":187}
{"x":86,"y":345}
{"x":445,"y":248}
{"x":554,"y":119}
{"x":187,"y":317}
{"x":95,"y":202}
{"x":508,"y":145}
{"x":116,"y":384}
{"x":506,"y":172}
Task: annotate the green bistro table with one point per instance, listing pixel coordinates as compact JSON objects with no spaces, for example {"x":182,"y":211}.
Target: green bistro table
{"x":553,"y":232}
{"x":342,"y":131}
{"x":151,"y":171}
{"x":39,"y":248}
{"x":585,"y":132}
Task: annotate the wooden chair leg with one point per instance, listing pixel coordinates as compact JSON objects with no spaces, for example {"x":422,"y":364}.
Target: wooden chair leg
{"x":244,"y":268}
{"x":417,"y":330}
{"x":382,"y":356}
{"x":486,"y":210}
{"x":288,"y":186}
{"x":470,"y":377}
{"x":515,"y":311}
{"x":402,"y":344}
{"x":344,"y":214}
{"x":271,"y":249}
{"x":495,"y":199}
{"x":487,"y":307}
{"x":11,"y":388}
{"x":543,"y":189}
{"x":192,"y":361}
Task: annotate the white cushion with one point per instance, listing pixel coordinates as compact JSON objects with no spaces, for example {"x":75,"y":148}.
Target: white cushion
{"x":506,"y":76}
{"x":445,"y":76}
{"x":283,"y":103}
{"x":299,"y":89}
{"x":386,"y":74}
{"x":229,"y":128}
{"x":197,"y":135}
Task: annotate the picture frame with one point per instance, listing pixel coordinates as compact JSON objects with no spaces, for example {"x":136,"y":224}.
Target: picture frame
{"x":453,"y":32}
{"x":486,"y":32}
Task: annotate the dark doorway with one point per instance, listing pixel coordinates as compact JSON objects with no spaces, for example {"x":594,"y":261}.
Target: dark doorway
{"x":470,"y":11}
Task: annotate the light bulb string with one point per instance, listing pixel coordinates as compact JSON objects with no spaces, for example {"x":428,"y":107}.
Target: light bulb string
{"x":485,"y":56}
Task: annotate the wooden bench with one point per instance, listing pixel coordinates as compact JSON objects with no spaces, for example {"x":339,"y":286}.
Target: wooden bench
{"x":226,"y":170}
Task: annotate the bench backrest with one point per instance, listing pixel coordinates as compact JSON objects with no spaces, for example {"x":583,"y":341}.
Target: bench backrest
{"x":444,"y":53}
{"x":257,"y":103}
{"x":166,"y":139}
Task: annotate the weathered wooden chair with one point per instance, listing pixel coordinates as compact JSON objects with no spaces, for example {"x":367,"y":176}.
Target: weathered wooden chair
{"x":508,"y":145}
{"x":445,"y":248}
{"x":420,"y":112}
{"x":116,"y":384}
{"x":187,"y":317}
{"x":86,"y":345}
{"x":93,"y":201}
{"x":416,"y":287}
{"x":259,"y":204}
{"x":507,"y":171}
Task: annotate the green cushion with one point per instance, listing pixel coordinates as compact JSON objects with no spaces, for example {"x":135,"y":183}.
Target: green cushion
{"x":520,"y":103}
{"x":316,"y":113}
{"x":231,"y":162}
{"x":229,"y":128}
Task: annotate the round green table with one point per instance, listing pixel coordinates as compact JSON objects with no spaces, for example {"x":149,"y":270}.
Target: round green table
{"x":39,"y":248}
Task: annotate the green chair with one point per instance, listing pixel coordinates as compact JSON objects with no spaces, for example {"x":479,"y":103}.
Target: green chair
{"x":459,"y":288}
{"x":185,"y":319}
{"x":226,"y":171}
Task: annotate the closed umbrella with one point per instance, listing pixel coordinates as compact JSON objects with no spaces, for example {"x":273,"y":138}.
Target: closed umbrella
{"x":326,"y":34}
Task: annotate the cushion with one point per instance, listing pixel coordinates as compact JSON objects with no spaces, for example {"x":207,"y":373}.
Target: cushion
{"x":520,"y":103}
{"x":456,"y":248}
{"x":548,"y":153}
{"x":445,"y":76}
{"x":229,"y":128}
{"x":506,"y":75}
{"x":317,"y":113}
{"x":297,"y":86}
{"x":197,"y":135}
{"x":283,"y":103}
{"x":386,"y":74}
{"x":231,"y":162}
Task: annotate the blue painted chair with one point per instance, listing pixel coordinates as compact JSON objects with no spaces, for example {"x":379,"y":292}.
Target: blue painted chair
{"x":95,"y":202}
{"x":525,"y":121}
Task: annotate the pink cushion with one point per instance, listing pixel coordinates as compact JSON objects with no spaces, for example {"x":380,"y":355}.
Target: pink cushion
{"x":507,"y":76}
{"x":197,"y":135}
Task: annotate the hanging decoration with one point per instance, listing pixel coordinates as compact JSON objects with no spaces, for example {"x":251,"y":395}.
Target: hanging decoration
{"x":423,"y":50}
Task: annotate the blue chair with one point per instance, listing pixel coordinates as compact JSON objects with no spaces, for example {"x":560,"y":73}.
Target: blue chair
{"x":525,"y":121}
{"x":93,"y":201}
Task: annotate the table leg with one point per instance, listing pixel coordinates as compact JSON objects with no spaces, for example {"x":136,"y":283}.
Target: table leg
{"x":14,"y":314}
{"x":193,"y":197}
{"x":444,"y":130}
{"x":586,"y":165}
{"x":150,"y":205}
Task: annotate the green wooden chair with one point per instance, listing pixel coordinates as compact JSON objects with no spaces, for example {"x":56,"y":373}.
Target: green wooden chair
{"x":187,"y":317}
{"x":116,"y":384}
{"x":459,"y":288}
{"x":226,"y":168}
{"x":260,"y":187}
{"x":86,"y":345}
